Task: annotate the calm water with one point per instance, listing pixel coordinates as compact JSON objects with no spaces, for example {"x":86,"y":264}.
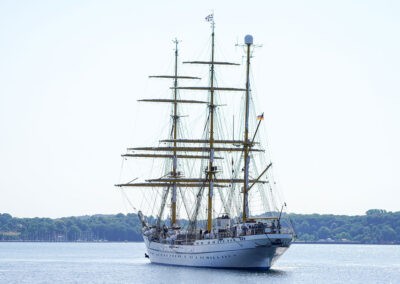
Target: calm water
{"x":125,"y":263}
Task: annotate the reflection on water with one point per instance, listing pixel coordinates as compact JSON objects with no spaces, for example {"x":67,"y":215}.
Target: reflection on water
{"x":125,"y":263}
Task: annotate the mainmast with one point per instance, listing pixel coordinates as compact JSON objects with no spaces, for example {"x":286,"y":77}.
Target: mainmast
{"x":210,"y":177}
{"x":246,"y":145}
{"x":174,"y":125}
{"x":211,"y":170}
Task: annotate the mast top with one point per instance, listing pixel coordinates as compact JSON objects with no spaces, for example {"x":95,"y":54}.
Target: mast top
{"x":248,"y":39}
{"x":210,"y":18}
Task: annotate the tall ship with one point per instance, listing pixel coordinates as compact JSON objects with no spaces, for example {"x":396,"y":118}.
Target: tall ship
{"x":210,"y":199}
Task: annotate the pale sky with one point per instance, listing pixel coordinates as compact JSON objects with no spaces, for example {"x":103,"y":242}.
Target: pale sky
{"x":327,"y":77}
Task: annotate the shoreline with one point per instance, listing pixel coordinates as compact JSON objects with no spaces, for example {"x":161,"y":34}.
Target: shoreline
{"x":293,"y":243}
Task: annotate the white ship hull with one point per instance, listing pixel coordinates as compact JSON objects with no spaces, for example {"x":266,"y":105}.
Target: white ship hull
{"x":247,"y":252}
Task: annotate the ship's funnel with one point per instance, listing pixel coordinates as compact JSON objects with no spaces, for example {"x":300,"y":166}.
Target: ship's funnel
{"x":248,"y":39}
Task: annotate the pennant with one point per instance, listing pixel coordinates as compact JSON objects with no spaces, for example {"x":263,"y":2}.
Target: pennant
{"x":210,"y":18}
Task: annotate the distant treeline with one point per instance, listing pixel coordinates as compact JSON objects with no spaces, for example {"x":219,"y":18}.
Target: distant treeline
{"x":375,"y":227}
{"x":114,"y":228}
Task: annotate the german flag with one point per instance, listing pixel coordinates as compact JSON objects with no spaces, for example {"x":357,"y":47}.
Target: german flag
{"x":260,"y":117}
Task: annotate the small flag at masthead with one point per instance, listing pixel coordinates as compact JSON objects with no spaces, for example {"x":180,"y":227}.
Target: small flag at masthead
{"x":210,"y":18}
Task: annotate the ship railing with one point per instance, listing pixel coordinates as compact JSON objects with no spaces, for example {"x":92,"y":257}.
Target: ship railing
{"x":256,"y":229}
{"x":285,"y":230}
{"x":224,"y":234}
{"x":184,"y":242}
{"x":185,"y":239}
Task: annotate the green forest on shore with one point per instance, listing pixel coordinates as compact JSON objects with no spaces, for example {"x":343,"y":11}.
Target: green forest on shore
{"x":375,"y":227}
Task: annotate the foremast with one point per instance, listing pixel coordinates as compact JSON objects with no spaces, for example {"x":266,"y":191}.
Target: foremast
{"x":174,"y":174}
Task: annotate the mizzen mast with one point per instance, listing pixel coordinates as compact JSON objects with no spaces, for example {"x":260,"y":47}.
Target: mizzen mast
{"x":246,"y":145}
